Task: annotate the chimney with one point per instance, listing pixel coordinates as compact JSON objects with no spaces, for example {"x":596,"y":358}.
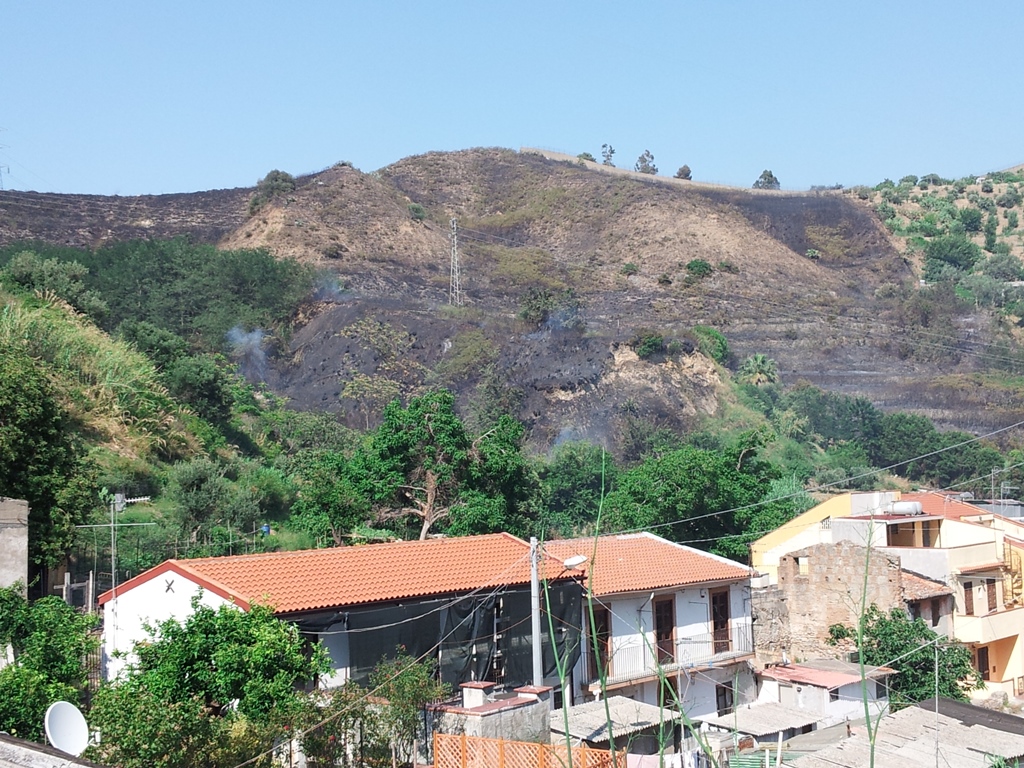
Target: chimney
{"x":475,"y":694}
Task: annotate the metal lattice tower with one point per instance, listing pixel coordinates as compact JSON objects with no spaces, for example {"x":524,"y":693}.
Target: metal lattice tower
{"x":455,"y":284}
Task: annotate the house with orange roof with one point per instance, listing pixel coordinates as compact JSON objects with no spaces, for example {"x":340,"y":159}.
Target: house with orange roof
{"x":939,"y":537}
{"x":669,"y":623}
{"x":465,"y":601}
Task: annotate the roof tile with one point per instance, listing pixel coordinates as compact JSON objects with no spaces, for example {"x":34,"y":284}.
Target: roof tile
{"x":315,"y":579}
{"x":643,"y":561}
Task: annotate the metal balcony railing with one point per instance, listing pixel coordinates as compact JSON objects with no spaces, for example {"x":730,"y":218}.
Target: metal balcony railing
{"x":633,"y":658}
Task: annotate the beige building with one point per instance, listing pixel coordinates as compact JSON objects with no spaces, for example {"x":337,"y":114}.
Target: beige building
{"x":937,"y":538}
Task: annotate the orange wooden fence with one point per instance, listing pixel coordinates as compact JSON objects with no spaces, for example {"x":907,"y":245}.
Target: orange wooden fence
{"x":461,"y":751}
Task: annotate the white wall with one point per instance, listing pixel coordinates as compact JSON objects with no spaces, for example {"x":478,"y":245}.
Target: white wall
{"x":152,"y":602}
{"x":849,"y":705}
{"x":335,"y":640}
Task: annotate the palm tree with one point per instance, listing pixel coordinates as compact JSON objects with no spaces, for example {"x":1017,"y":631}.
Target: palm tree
{"x":759,"y":370}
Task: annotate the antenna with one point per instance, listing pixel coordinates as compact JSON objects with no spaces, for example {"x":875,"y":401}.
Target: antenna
{"x":455,"y":285}
{"x":66,"y":728}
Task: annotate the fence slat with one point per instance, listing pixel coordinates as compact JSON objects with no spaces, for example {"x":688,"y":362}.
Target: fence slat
{"x":462,"y":751}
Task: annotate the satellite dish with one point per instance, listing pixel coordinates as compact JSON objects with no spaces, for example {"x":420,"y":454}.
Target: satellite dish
{"x":574,"y":562}
{"x":66,"y":728}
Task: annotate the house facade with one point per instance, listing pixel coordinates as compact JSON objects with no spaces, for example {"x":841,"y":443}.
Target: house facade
{"x":465,"y":601}
{"x":970,"y":561}
{"x":667,"y":623}
{"x":829,"y":687}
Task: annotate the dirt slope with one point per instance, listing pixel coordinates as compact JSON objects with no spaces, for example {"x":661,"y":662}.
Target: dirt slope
{"x":527,"y":222}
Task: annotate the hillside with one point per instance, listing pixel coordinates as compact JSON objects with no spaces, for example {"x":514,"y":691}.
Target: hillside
{"x":812,"y":280}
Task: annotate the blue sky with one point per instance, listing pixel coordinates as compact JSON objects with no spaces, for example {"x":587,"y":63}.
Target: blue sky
{"x":138,"y":97}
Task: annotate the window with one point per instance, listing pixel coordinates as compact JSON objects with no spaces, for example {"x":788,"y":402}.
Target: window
{"x":724,"y":698}
{"x":603,"y":635}
{"x":990,"y":587}
{"x":969,"y":598}
{"x":881,"y":690}
{"x":833,"y":694}
{"x":915,"y":611}
{"x":936,"y":606}
{"x":803,"y":565}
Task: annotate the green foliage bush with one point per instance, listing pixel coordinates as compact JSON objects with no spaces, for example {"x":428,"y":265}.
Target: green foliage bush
{"x":684,"y":173}
{"x":417,"y":212}
{"x":63,"y":278}
{"x":971,"y":218}
{"x":647,"y":343}
{"x":986,"y":186}
{"x":629,"y":269}
{"x":712,"y":343}
{"x":699,"y":268}
{"x":586,"y":156}
{"x":273,"y":185}
{"x":1011,"y":198}
{"x":957,"y":251}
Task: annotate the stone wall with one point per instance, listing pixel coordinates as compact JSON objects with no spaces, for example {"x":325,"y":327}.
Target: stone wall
{"x":818,"y":587}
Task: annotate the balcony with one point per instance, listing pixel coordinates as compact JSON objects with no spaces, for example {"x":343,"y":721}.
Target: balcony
{"x":634,"y":660}
{"x":988,"y":628}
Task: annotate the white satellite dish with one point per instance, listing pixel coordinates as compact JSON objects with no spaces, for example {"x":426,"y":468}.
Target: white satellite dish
{"x":574,"y":562}
{"x":66,"y":728}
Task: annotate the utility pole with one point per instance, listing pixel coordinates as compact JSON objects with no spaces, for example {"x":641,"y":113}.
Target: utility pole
{"x":538,"y":658}
{"x":455,"y":284}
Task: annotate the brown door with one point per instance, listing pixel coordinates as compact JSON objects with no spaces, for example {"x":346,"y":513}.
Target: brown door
{"x":983,"y":662}
{"x":665,"y":630}
{"x":969,"y":598}
{"x":990,"y":585}
{"x":602,"y":630}
{"x":720,"y":620}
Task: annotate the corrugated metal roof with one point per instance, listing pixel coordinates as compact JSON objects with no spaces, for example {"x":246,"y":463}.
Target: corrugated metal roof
{"x":589,"y":722}
{"x":762,"y":719}
{"x":908,"y":739}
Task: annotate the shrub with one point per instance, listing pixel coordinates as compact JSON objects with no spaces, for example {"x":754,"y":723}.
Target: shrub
{"x":909,"y":180}
{"x":1011,"y":220}
{"x":958,"y":252}
{"x":274,"y":184}
{"x":711,"y":343}
{"x":417,"y":212}
{"x":971,"y":218}
{"x":647,"y":343}
{"x":813,"y":253}
{"x":986,"y":186}
{"x":664,"y":279}
{"x":728,"y":266}
{"x":1009,"y":199}
{"x":684,"y":173}
{"x":699,"y":268}
{"x":629,"y":269}
{"x":586,"y":156}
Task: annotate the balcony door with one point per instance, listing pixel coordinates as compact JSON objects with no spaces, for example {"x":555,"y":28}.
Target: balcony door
{"x":720,"y":620}
{"x":602,"y":638}
{"x":665,"y":629}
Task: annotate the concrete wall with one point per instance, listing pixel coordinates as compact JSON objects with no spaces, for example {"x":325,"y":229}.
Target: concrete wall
{"x":13,"y":542}
{"x":796,"y":616}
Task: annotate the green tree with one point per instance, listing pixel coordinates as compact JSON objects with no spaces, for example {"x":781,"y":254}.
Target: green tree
{"x":955,"y":250}
{"x":758,"y":370}
{"x":41,"y":458}
{"x":407,"y":684}
{"x":607,"y":153}
{"x":890,"y":639}
{"x":684,"y":173}
{"x":645,"y":163}
{"x":63,"y":278}
{"x":212,"y":690}
{"x":586,"y":156}
{"x":971,"y":218}
{"x":333,"y":499}
{"x":573,"y":481}
{"x":50,"y":640}
{"x":991,"y":227}
{"x":422,"y":463}
{"x":712,"y":343}
{"x":767,"y":180}
{"x":274,"y":184}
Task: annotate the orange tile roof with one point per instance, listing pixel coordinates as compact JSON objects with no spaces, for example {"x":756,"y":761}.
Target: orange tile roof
{"x":943,"y":505}
{"x":917,"y":587}
{"x":347,"y":576}
{"x":821,"y":678}
{"x":643,"y":561}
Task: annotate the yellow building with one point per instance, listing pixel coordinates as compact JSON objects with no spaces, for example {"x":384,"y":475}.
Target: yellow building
{"x":976,"y":553}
